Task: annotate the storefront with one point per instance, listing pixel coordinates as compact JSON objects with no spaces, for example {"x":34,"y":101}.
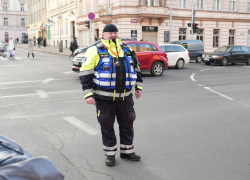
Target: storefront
{"x":150,"y":34}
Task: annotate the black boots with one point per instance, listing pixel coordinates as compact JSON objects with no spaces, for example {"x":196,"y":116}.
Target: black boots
{"x":110,"y":161}
{"x":131,"y":157}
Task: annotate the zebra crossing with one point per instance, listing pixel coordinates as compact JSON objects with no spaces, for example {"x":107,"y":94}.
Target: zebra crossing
{"x":6,"y":59}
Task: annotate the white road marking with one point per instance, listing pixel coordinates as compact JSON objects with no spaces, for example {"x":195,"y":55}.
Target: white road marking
{"x":23,"y":95}
{"x":192,"y":77}
{"x":244,"y":104}
{"x":34,"y":81}
{"x":219,"y":67}
{"x":81,"y":125}
{"x":17,"y":58}
{"x":205,"y":69}
{"x":42,"y":94}
{"x":200,"y":85}
{"x":68,"y":72}
{"x":12,"y":65}
{"x":48,"y":80}
{"x":245,"y":66}
{"x":219,"y":93}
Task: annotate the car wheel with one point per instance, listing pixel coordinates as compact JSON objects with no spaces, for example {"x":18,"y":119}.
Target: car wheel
{"x":248,"y":61}
{"x":179,"y":64}
{"x":198,"y":59}
{"x":207,"y":63}
{"x":157,"y":69}
{"x":224,"y":61}
{"x":233,"y":63}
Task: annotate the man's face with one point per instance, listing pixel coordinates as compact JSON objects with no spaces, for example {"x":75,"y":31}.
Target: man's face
{"x":110,"y":35}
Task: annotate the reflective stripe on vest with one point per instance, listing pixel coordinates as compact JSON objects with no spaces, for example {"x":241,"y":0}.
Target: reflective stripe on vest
{"x":107,"y":75}
{"x":111,"y":94}
{"x":107,"y":83}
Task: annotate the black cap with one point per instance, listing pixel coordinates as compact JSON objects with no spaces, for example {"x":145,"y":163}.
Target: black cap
{"x":110,"y":28}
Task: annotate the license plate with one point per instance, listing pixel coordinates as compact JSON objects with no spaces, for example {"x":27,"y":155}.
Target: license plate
{"x":75,"y":63}
{"x":206,"y":59}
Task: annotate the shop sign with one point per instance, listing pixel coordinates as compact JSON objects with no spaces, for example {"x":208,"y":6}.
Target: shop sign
{"x":150,"y":28}
{"x":134,"y":21}
{"x":34,"y":29}
{"x":48,"y":33}
{"x":134,"y":35}
{"x":50,"y":21}
{"x":48,"y":25}
{"x":166,"y":36}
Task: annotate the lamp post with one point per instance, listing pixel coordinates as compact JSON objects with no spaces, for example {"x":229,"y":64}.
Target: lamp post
{"x":192,"y":24}
{"x":60,"y":43}
{"x":170,"y":26}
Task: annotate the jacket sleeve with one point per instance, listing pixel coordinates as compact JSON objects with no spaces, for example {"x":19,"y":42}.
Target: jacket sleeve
{"x":139,"y":81}
{"x":86,"y":73}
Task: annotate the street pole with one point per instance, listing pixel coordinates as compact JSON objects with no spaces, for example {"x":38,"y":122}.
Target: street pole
{"x":170,"y":26}
{"x":192,"y":20}
{"x":90,"y":24}
{"x":60,"y":44}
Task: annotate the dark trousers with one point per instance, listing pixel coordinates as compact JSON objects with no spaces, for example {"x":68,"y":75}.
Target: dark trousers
{"x":125,"y":114}
{"x":34,"y":43}
{"x":29,"y":54}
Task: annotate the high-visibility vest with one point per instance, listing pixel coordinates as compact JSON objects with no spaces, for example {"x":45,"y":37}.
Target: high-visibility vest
{"x":107,"y":76}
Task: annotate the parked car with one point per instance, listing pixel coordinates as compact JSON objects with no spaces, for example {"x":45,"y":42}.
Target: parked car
{"x":151,"y":57}
{"x":177,"y":55}
{"x":194,"y":47}
{"x":228,"y":54}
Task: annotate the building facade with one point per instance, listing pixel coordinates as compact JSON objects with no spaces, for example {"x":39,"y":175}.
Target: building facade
{"x":13,"y":19}
{"x":36,"y":17}
{"x":221,"y":22}
{"x":61,"y":16}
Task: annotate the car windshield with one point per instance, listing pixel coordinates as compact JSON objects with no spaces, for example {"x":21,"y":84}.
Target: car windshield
{"x":174,"y":43}
{"x":223,"y":49}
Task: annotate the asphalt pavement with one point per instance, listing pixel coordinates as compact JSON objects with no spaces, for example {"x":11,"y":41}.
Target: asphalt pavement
{"x":192,"y":123}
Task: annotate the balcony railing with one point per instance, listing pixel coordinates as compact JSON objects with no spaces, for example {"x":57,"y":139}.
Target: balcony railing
{"x":105,"y":10}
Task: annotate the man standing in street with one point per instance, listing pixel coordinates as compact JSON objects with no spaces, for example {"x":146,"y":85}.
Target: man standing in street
{"x":107,"y":75}
{"x":75,"y":45}
{"x":34,"y":39}
{"x":39,"y":42}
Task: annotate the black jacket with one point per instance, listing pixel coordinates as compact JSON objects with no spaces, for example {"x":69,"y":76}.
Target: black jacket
{"x":75,"y":45}
{"x":39,"y":40}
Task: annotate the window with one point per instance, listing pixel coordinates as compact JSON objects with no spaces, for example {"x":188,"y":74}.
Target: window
{"x":54,"y":28}
{"x":5,"y":21}
{"x":170,"y":49}
{"x":151,"y":2}
{"x":216,"y":37}
{"x":236,"y":49}
{"x":153,"y":48}
{"x":97,"y":5}
{"x":231,"y":37}
{"x":249,"y":6}
{"x":233,"y":5}
{"x":182,"y":34}
{"x":61,"y":26}
{"x":22,"y":7}
{"x":200,"y":34}
{"x":185,"y":45}
{"x":22,"y":22}
{"x":180,"y":49}
{"x":200,"y":4}
{"x":145,"y":47}
{"x":40,"y":15}
{"x":245,"y":49}
{"x":5,"y":7}
{"x":132,"y":46}
{"x":80,"y":9}
{"x":58,"y":28}
{"x":66,"y":26}
{"x":182,"y":4}
{"x":217,"y":5}
{"x":248,"y":38}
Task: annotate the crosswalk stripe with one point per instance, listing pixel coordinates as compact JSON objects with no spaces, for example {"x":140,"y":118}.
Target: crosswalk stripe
{"x":81,"y":125}
{"x":42,"y":94}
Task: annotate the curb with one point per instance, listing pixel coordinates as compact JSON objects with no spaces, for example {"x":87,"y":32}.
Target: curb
{"x":45,"y":51}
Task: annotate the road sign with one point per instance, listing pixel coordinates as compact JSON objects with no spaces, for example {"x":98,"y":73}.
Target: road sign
{"x":91,"y":16}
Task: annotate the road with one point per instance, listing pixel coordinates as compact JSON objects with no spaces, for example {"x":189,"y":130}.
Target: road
{"x":192,"y":123}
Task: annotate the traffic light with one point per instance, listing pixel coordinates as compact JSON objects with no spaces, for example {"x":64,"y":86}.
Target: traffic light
{"x":195,"y":27}
{"x":87,"y":24}
{"x":189,"y":24}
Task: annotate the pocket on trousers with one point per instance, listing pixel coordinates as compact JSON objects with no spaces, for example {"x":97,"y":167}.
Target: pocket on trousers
{"x":131,"y":115}
{"x":103,"y":117}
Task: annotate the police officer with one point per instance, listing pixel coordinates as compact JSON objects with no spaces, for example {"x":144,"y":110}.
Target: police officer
{"x":107,"y":75}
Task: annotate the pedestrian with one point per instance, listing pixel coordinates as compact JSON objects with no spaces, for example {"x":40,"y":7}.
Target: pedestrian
{"x":17,"y":39}
{"x":30,"y":48}
{"x":11,"y":48}
{"x":142,"y":39}
{"x":71,"y":49}
{"x":107,"y":75}
{"x":39,"y":42}
{"x":34,"y":39}
{"x":75,"y":45}
{"x":44,"y":42}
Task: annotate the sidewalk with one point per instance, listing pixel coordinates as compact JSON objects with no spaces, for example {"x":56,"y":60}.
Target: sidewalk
{"x":47,"y":49}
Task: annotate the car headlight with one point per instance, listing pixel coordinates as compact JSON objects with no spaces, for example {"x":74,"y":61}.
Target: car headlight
{"x":203,"y":55}
{"x":214,"y":56}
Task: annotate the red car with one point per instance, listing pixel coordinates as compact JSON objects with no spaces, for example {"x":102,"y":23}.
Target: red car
{"x":151,"y":57}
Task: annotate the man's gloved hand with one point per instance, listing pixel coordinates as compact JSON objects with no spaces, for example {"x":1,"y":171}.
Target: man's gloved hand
{"x":90,"y":100}
{"x":138,"y":94}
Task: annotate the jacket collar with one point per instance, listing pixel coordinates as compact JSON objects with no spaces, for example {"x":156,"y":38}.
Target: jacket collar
{"x":110,"y":44}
